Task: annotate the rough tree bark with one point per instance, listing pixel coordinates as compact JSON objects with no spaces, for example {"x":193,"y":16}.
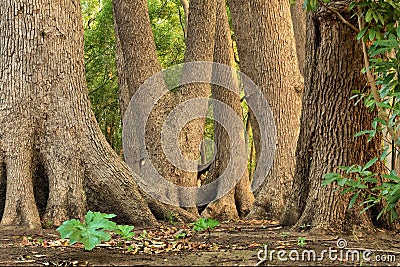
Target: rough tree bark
{"x":199,"y":47}
{"x":136,"y":51}
{"x":136,"y":62}
{"x":48,"y":133}
{"x":185,"y":5}
{"x":328,"y":123}
{"x":278,"y":75}
{"x":226,"y":208}
{"x":242,"y":25}
{"x":299,"y":27}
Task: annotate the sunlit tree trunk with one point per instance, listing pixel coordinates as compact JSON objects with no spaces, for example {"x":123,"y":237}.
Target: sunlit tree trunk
{"x":276,"y":72}
{"x":136,"y":62}
{"x":199,"y":47}
{"x":226,"y":208}
{"x":50,"y":143}
{"x":299,"y":27}
{"x":243,"y":34}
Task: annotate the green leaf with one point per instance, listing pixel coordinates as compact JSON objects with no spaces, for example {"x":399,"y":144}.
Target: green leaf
{"x":342,"y":182}
{"x":362,"y":33}
{"x":353,"y":199}
{"x":370,"y":163}
{"x":384,"y":154}
{"x":90,"y":233}
{"x":364,"y":132}
{"x":370,"y":180}
{"x":69,"y":227}
{"x":368,"y":16}
{"x":125,"y":231}
{"x":329,"y":179}
{"x":371,"y":34}
{"x":203,"y":224}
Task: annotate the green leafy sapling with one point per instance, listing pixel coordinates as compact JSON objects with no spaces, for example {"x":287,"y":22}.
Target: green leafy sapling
{"x":301,"y":241}
{"x":143,"y":235}
{"x":91,"y":232}
{"x":204,"y":224}
{"x":125,"y":231}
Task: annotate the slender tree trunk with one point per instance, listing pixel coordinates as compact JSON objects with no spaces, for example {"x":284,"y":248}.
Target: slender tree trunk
{"x":136,"y":51}
{"x":226,"y":208}
{"x":199,"y":47}
{"x":136,"y":62}
{"x":277,"y":74}
{"x":328,"y":123}
{"x":185,"y":5}
{"x":299,"y":27}
{"x":48,"y":132}
{"x":242,"y":25}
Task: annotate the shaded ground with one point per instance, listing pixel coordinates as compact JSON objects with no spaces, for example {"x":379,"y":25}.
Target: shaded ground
{"x":230,"y":244}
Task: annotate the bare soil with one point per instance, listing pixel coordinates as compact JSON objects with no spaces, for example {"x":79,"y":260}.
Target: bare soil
{"x":230,"y":244}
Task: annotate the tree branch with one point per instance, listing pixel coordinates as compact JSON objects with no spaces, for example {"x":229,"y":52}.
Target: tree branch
{"x":339,"y":16}
{"x":372,"y":83}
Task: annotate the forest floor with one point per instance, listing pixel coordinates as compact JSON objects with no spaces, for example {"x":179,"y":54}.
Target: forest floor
{"x":230,"y":244}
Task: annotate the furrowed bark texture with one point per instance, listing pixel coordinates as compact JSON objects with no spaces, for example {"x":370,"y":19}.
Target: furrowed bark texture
{"x":137,"y":61}
{"x":226,"y":208}
{"x":299,"y":27}
{"x":277,"y":74}
{"x":48,"y":132}
{"x":328,"y":123}
{"x":199,"y":47}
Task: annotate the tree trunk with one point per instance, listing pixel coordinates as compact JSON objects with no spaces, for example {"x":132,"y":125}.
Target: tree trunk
{"x":185,"y":5}
{"x":299,"y":27}
{"x":199,"y":47}
{"x":136,"y":51}
{"x":328,"y":123}
{"x":136,"y":62}
{"x":242,"y":25}
{"x":48,"y":132}
{"x":139,"y":62}
{"x":226,"y":208}
{"x":277,"y":74}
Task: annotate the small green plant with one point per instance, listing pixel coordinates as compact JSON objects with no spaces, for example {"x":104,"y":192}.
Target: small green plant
{"x":143,"y":235}
{"x":305,"y":226}
{"x":171,"y":217}
{"x":91,"y":232}
{"x":125,"y":231}
{"x":95,"y":229}
{"x":301,"y":241}
{"x":180,"y":235}
{"x":47,"y":224}
{"x":204,"y":224}
{"x":285,"y":234}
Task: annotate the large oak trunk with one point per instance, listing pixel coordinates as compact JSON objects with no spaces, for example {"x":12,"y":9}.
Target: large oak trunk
{"x":328,"y":123}
{"x":49,"y":138}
